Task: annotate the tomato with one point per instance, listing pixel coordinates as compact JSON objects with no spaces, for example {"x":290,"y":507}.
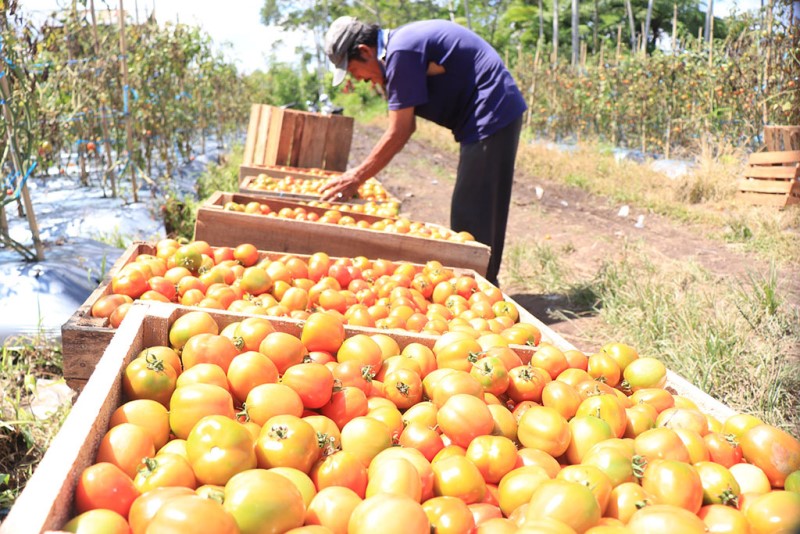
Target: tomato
{"x":661,"y":443}
{"x":192,"y":402}
{"x":130,"y":281}
{"x":283,"y":349}
{"x":719,"y":485}
{"x":776,"y":511}
{"x":148,"y":414}
{"x":621,"y":353}
{"x":673,"y":482}
{"x":248,"y":370}
{"x":463,"y":417}
{"x":585,"y":432}
{"x":607,"y":408}
{"x":267,"y":400}
{"x":148,"y":504}
{"x":445,"y":383}
{"x":792,"y":482}
{"x":149,"y":377}
{"x":396,"y":476}
{"x":341,"y":468}
{"x":189,"y":324}
{"x":751,"y":478}
{"x":403,"y":387}
{"x":683,"y":418}
{"x":665,"y":519}
{"x":639,"y":419}
{"x":562,"y":397}
{"x":494,"y":456}
{"x":775,"y":451}
{"x":104,"y":485}
{"x":449,"y":515}
{"x":526,"y":383}
{"x":345,"y":404}
{"x":539,"y":458}
{"x":125,"y":445}
{"x":545,"y":429}
{"x":332,"y":508}
{"x":645,"y":373}
{"x":264,"y":501}
{"x":740,"y":423}
{"x":660,"y":399}
{"x":420,"y":463}
{"x":569,"y":502}
{"x":219,"y":447}
{"x":164,"y":470}
{"x":591,"y":477}
{"x":365,"y":437}
{"x":719,"y":518}
{"x":722,"y":449}
{"x":457,"y":476}
{"x":105,"y":305}
{"x":98,"y":521}
{"x":371,"y":515}
{"x":603,"y":368}
{"x":625,"y":499}
{"x":287,"y":441}
{"x":301,"y":480}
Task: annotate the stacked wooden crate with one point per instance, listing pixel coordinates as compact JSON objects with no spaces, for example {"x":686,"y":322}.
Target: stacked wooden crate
{"x":772,"y":178}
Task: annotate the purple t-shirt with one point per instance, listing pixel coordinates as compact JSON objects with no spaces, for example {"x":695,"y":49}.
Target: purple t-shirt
{"x":475,"y":96}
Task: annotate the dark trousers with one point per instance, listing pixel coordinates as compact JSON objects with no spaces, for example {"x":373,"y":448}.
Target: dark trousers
{"x":482,"y":193}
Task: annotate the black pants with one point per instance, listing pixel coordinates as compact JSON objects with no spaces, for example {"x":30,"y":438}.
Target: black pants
{"x":482,"y":193}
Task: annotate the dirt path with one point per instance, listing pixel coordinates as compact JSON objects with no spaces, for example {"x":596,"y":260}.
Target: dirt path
{"x":567,"y":218}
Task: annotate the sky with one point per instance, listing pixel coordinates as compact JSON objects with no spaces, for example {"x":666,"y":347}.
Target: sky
{"x":238,"y":22}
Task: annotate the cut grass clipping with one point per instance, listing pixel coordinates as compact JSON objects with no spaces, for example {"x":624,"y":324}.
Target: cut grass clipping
{"x":735,"y":339}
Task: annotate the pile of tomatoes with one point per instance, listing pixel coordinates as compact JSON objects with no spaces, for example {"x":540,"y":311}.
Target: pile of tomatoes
{"x":344,"y":215}
{"x":371,"y":190}
{"x":374,"y":293}
{"x":245,"y":428}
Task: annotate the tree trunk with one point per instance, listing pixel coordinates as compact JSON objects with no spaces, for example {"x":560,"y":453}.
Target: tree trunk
{"x":709,"y":16}
{"x":555,"y":32}
{"x":646,"y":32}
{"x":631,"y":25}
{"x":541,"y":21}
{"x":576,"y":50}
{"x":595,"y":23}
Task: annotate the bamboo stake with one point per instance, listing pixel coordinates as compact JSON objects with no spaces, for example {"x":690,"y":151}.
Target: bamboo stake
{"x":619,"y":42}
{"x":674,"y":28}
{"x":711,"y":41}
{"x":128,"y":124}
{"x":26,"y":197}
{"x":533,"y":83}
{"x":103,"y":118}
{"x":768,"y":59}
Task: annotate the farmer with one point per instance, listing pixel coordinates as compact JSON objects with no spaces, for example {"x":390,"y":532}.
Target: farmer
{"x":445,"y":73}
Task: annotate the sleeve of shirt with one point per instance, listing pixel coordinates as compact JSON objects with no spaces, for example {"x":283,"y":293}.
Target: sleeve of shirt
{"x":406,"y":80}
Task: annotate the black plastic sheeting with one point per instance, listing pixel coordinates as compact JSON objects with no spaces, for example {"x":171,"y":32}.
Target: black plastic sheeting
{"x":84,"y":232}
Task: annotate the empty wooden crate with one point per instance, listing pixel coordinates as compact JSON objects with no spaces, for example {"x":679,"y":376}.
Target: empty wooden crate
{"x":771,"y":179}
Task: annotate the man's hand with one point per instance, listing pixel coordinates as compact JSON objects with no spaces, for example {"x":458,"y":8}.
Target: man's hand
{"x":341,"y":188}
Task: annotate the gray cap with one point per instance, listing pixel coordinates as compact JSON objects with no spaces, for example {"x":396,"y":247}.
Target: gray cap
{"x":338,"y":41}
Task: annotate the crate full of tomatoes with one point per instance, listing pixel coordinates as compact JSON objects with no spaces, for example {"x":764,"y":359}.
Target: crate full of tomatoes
{"x":217,"y":421}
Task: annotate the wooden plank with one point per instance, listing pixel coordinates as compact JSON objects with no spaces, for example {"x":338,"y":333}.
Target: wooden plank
{"x":227,"y":228}
{"x":252,"y":133}
{"x":261,"y":136}
{"x":337,"y":143}
{"x":777,"y":172}
{"x":774,"y":158}
{"x":766,"y":186}
{"x":284,"y":148}
{"x":312,"y":142}
{"x":299,"y":127}
{"x":273,"y":136}
{"x":782,"y":138}
{"x":762,"y":199}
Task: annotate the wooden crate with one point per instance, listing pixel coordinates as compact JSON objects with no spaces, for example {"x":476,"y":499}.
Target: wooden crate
{"x":277,"y":136}
{"x":46,"y":502}
{"x":771,"y":179}
{"x":84,"y":338}
{"x":228,"y":228}
{"x":782,"y":138}
{"x":249,"y":174}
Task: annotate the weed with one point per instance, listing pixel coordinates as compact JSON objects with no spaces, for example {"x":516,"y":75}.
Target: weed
{"x":114,"y":238}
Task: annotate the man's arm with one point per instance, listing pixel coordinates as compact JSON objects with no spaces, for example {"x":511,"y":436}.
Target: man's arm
{"x":402,"y":124}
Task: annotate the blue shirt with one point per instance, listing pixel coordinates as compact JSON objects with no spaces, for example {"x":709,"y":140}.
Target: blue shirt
{"x":475,"y":96}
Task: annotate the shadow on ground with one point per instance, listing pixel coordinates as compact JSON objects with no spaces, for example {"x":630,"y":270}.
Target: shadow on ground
{"x":552,"y":309}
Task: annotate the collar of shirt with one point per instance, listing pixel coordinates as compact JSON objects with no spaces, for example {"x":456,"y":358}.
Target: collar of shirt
{"x":383,"y":41}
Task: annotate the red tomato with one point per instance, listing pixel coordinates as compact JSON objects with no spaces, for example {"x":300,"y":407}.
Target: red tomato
{"x":449,"y":515}
{"x":248,"y":370}
{"x":422,"y":438}
{"x":148,"y":414}
{"x":192,"y":402}
{"x":345,"y":404}
{"x":104,"y":485}
{"x":722,"y":449}
{"x":287,"y":441}
{"x":526,"y":383}
{"x":550,"y":358}
{"x":105,"y":305}
{"x":776,"y":511}
{"x":569,"y":502}
{"x":661,"y":443}
{"x":562,"y":397}
{"x":130,"y":280}
{"x":341,"y":468}
{"x":165,"y":470}
{"x":145,"y":506}
{"x":775,"y":451}
{"x":464,"y":417}
{"x":675,"y":483}
{"x":125,"y":445}
{"x":494,"y":456}
{"x":625,"y":499}
{"x":403,"y":387}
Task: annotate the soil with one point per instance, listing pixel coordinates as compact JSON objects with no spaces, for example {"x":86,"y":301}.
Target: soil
{"x":587,"y":227}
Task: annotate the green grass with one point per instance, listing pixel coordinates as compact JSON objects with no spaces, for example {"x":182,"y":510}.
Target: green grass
{"x":23,"y":437}
{"x":735,"y":339}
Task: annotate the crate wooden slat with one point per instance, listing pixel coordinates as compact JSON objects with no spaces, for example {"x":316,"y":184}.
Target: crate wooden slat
{"x":227,"y":228}
{"x":46,"y":502}
{"x":782,"y":138}
{"x":278,"y":136}
{"x":771,"y":179}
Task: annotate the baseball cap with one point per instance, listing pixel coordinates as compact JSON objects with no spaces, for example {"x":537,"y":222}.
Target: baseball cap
{"x":338,"y":41}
